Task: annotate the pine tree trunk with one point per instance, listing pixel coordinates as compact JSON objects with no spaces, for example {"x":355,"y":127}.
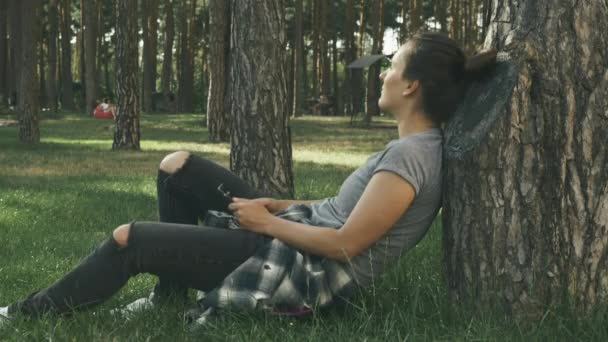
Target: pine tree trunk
{"x":167,"y":70}
{"x":29,"y":131}
{"x":358,"y":87}
{"x":218,"y":103}
{"x":324,"y":51}
{"x":373,"y":91}
{"x":14,"y":12}
{"x":298,"y":67}
{"x":42,"y":101}
{"x":126,"y":133}
{"x":90,"y":50}
{"x":260,"y":139}
{"x":525,"y":214}
{"x":52,"y":59}
{"x":415,"y":15}
{"x":149,"y":58}
{"x":315,"y":48}
{"x":67,"y":95}
{"x":3,"y":53}
{"x":349,"y":56}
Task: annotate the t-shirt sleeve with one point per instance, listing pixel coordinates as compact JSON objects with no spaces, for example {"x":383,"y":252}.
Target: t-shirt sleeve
{"x":403,"y":162}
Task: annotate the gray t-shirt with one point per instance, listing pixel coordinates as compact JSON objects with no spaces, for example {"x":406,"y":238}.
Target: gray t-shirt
{"x":416,"y":158}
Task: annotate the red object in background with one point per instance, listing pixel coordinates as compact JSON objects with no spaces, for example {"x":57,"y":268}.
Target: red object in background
{"x":100,"y":113}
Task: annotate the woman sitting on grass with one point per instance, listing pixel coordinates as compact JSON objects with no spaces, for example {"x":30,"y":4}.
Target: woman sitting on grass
{"x":314,"y":253}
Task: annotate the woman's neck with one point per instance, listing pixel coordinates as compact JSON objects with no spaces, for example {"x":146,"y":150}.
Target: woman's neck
{"x":414,"y":123}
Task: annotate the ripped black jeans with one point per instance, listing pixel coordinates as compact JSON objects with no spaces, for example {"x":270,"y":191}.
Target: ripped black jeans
{"x":181,"y":253}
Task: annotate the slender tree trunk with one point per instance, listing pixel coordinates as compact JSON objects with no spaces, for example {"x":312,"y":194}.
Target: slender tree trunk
{"x":405,"y":15}
{"x":324,"y":51}
{"x":29,"y":15}
{"x":260,"y":140}
{"x":126,"y":133}
{"x":90,"y":50}
{"x":441,"y":14}
{"x":167,"y":71}
{"x":337,"y":101}
{"x":357,"y":74}
{"x":218,"y":101}
{"x":67,"y":95}
{"x":52,"y":59}
{"x":298,"y":70}
{"x":415,"y":16}
{"x":14,"y":12}
{"x":525,"y":212}
{"x":3,"y":53}
{"x":81,"y":59}
{"x":42,"y":101}
{"x":315,"y":48}
{"x":349,"y":56}
{"x":149,"y":58}
{"x":373,"y":91}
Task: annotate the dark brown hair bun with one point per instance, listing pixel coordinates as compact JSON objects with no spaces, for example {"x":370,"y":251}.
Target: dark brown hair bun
{"x":479,"y":64}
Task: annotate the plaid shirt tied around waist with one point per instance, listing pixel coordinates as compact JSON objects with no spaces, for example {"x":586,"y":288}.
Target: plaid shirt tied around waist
{"x":277,"y":275}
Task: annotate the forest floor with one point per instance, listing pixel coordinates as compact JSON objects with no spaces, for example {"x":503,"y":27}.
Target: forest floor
{"x":60,"y":198}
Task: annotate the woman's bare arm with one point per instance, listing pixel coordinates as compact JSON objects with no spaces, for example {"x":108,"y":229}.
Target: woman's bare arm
{"x":386,"y":197}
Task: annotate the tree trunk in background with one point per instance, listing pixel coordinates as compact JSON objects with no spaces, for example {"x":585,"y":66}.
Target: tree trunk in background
{"x":323,"y":50}
{"x":260,"y":140}
{"x":165,"y":80}
{"x":373,"y":83}
{"x":415,"y":16}
{"x":455,"y":24}
{"x":349,"y":56}
{"x":337,"y":101}
{"x":67,"y":95}
{"x":315,"y":48}
{"x":3,"y":53}
{"x":52,"y":59}
{"x":186,"y":74}
{"x":81,"y":59}
{"x":441,"y":13}
{"x":405,"y":14}
{"x":126,"y":133}
{"x":218,"y":102}
{"x":525,"y":214}
{"x":42,"y":102}
{"x":150,"y":49}
{"x":29,"y":18}
{"x":358,"y":87}
{"x":298,"y":66}
{"x":90,"y":50}
{"x":14,"y":13}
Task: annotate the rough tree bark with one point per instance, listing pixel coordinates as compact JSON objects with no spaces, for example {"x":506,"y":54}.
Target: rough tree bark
{"x":67,"y":95}
{"x":298,"y":66}
{"x":525,"y":212}
{"x":260,"y":139}
{"x":126,"y":133}
{"x":218,"y":101}
{"x":29,"y":131}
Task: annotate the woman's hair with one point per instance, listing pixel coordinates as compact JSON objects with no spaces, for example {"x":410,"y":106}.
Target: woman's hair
{"x":443,"y":70}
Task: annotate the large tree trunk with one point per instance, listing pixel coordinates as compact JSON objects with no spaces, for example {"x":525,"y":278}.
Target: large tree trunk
{"x":167,"y":70}
{"x":3,"y":52}
{"x":67,"y":95}
{"x":149,"y":58}
{"x":126,"y":133}
{"x":29,"y":131}
{"x":90,"y":50}
{"x":218,"y":103}
{"x":52,"y":59}
{"x":525,"y":212}
{"x":260,"y":139}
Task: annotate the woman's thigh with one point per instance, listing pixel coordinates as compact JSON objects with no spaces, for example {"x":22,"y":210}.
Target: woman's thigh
{"x":200,"y":256}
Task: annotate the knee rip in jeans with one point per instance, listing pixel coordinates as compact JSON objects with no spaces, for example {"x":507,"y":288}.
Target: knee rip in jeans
{"x":122,"y":234}
{"x":174,"y":162}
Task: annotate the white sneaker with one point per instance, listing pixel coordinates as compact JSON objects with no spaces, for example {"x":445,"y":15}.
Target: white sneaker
{"x":140,"y":305}
{"x":4,"y":316}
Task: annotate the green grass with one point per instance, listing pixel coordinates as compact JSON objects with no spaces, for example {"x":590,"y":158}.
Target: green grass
{"x":60,"y":198}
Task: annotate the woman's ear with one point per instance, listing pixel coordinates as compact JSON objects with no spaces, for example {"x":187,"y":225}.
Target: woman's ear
{"x":411,"y":87}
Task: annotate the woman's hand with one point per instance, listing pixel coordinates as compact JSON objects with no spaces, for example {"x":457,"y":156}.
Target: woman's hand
{"x":273,"y":205}
{"x":254,"y":214}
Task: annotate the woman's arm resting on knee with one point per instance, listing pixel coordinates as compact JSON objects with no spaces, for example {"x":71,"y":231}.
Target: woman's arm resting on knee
{"x":386,"y":197}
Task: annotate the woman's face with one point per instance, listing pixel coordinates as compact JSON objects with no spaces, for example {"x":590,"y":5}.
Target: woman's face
{"x":394,"y":88}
